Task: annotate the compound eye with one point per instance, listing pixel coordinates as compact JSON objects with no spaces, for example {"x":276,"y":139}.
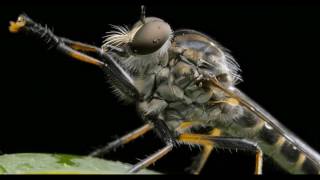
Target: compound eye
{"x":150,"y":37}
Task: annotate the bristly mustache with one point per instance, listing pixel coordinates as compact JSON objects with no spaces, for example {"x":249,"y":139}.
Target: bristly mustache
{"x":120,"y":35}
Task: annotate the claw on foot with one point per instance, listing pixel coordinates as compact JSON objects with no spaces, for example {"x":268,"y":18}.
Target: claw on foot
{"x":16,"y":26}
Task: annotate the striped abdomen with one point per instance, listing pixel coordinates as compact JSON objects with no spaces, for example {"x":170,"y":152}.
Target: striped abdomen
{"x":286,"y":149}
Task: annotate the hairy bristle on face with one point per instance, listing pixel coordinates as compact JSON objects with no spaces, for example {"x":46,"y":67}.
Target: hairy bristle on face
{"x":119,"y":36}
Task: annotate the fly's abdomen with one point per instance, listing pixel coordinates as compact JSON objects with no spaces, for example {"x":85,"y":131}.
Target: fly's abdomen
{"x":287,"y":150}
{"x":288,"y":153}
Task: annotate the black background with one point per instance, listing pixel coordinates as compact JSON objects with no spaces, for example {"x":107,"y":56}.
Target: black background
{"x":51,"y":103}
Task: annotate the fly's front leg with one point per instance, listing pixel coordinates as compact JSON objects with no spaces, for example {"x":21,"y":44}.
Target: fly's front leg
{"x":151,"y":112}
{"x":108,"y":63}
{"x":79,"y":46}
{"x":76,"y":45}
{"x":226,"y":142}
{"x":26,"y":25}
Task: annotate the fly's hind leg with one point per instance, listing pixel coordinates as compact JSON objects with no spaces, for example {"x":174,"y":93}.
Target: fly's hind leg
{"x":202,"y":158}
{"x":122,"y":140}
{"x":226,"y":142}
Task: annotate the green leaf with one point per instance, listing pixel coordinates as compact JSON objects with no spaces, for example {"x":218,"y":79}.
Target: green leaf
{"x":34,"y":163}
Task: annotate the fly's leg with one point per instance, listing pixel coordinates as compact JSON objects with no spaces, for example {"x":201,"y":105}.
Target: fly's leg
{"x":226,"y":142}
{"x":201,"y":160}
{"x":76,"y":45}
{"x":259,"y":162}
{"x":108,"y":63}
{"x":26,"y":25}
{"x":122,"y":140}
{"x":90,"y":48}
{"x":163,"y":131}
{"x":151,"y":159}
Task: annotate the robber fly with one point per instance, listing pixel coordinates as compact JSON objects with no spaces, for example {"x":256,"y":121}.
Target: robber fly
{"x":182,"y":81}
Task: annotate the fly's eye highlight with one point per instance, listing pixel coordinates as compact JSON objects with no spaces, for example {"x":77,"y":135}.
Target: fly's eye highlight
{"x":150,"y":37}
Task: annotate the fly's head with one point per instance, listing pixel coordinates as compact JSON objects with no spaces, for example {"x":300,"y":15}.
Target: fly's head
{"x":150,"y":35}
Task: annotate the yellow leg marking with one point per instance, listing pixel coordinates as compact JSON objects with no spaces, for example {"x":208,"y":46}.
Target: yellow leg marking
{"x":16,"y":26}
{"x":123,"y":140}
{"x":137,"y":133}
{"x":208,"y":146}
{"x":259,"y":162}
{"x":185,"y":125}
{"x":84,"y":58}
{"x":207,"y":149}
{"x":215,"y":132}
{"x":82,"y":47}
{"x":194,"y":139}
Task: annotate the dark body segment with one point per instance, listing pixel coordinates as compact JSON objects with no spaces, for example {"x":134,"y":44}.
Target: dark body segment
{"x":309,"y":167}
{"x":290,"y":152}
{"x":247,"y":120}
{"x":269,"y":135}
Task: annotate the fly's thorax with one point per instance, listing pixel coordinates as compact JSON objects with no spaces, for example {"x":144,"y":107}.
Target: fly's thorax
{"x":216,"y":68}
{"x":143,"y":70}
{"x":143,"y":65}
{"x":208,"y":55}
{"x":188,"y":99}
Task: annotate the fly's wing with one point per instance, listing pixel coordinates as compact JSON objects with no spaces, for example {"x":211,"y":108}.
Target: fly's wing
{"x":256,"y":109}
{"x":211,"y":59}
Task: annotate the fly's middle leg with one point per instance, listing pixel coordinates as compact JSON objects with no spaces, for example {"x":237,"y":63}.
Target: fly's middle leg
{"x":151,"y":159}
{"x":202,"y":158}
{"x":163,"y":151}
{"x":122,"y":140}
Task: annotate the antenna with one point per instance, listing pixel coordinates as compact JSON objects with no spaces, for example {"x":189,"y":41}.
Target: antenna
{"x":143,"y":14}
